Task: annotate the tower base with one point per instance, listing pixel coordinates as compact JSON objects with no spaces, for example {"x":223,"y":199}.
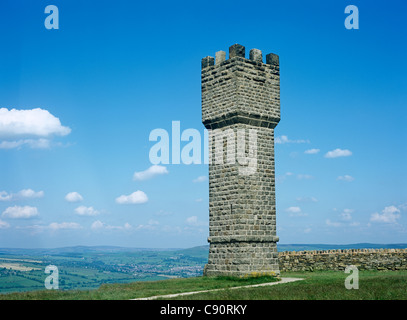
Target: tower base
{"x":240,"y":259}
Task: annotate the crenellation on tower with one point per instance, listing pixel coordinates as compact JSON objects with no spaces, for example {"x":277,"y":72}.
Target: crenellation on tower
{"x":237,"y":50}
{"x":256,"y":55}
{"x":220,"y":56}
{"x":241,"y":100}
{"x":207,"y":61}
{"x":257,"y":102}
{"x":272,"y":59}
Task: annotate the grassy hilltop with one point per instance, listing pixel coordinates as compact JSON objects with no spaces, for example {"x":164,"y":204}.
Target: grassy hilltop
{"x":321,"y":285}
{"x":128,"y":273}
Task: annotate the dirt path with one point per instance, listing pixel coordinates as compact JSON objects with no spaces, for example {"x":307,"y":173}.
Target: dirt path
{"x":283,"y":280}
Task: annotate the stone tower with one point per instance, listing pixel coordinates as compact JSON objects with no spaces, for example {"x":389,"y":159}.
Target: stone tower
{"x":240,"y":109}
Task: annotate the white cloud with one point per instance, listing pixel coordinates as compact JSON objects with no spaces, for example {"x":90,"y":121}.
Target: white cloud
{"x":4,"y":196}
{"x":346,"y":178}
{"x":172,"y":229}
{"x":4,"y":224}
{"x":200,"y":179}
{"x":30,"y":194}
{"x":134,"y":198}
{"x":307,"y":230}
{"x":38,"y":143}
{"x":86,"y":211}
{"x":145,"y":227}
{"x":73,"y":197}
{"x":31,"y":128}
{"x":151,"y":225}
{"x":346,"y":214}
{"x":338,"y":153}
{"x":53,"y":226}
{"x":301,"y":176}
{"x":23,"y":194}
{"x":311,"y":151}
{"x":35,"y":122}
{"x":33,"y":229}
{"x":194,"y":222}
{"x":11,"y":144}
{"x":296,"y":212}
{"x":280,"y":179}
{"x":64,"y":225}
{"x":293,"y":209}
{"x":284,"y":139}
{"x":304,"y":176}
{"x":345,"y":217}
{"x":389,"y":215}
{"x":18,"y":212}
{"x":32,"y":143}
{"x":99,"y":225}
{"x":151,"y":172}
{"x":333,"y":224}
{"x":307,"y":199}
{"x":153,"y":222}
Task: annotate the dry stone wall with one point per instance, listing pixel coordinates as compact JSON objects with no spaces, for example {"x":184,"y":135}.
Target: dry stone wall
{"x":363,"y":259}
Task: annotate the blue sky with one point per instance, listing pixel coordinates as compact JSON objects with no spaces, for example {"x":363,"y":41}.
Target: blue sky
{"x":94,"y":89}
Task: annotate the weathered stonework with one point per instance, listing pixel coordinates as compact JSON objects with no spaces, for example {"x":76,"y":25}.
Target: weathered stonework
{"x":363,"y":259}
{"x":242,"y":94}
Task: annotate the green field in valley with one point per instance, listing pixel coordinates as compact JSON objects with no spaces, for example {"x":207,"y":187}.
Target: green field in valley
{"x":89,"y":267}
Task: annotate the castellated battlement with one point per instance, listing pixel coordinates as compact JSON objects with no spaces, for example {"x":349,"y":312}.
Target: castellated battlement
{"x":240,"y":90}
{"x":363,"y":259}
{"x":237,"y":50}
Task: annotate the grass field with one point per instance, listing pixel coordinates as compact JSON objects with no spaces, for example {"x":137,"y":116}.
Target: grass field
{"x":138,"y":289}
{"x":321,"y":285}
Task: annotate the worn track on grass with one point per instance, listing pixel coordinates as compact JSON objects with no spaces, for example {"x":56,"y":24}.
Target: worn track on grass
{"x":283,"y":280}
